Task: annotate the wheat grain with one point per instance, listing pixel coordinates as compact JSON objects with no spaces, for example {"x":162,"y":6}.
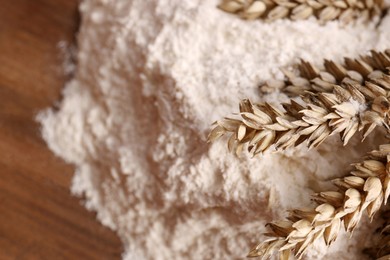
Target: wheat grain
{"x":366,"y":188}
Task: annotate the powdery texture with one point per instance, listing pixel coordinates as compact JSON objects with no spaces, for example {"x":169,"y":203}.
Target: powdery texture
{"x":151,"y":78}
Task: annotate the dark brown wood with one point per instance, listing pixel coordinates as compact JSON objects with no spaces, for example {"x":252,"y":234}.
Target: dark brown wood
{"x":39,"y":219}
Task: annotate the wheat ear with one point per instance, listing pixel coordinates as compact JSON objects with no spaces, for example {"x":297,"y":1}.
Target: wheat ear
{"x":366,"y":188}
{"x":324,"y":10}
{"x":349,"y":106}
{"x":308,"y":77}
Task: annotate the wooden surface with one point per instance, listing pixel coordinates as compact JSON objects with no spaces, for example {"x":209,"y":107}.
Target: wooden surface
{"x":39,"y":219}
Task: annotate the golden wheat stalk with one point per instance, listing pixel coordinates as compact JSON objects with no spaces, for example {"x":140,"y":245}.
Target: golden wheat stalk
{"x":349,"y":106}
{"x":366,"y":188}
{"x":324,"y":10}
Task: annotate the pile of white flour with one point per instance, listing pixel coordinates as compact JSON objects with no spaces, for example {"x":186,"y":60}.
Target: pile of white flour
{"x":151,"y":78}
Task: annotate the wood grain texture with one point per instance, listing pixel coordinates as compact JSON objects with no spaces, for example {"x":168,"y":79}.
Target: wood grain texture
{"x":39,"y":219}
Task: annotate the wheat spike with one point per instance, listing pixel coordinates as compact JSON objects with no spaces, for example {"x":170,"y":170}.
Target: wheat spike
{"x":346,"y":107}
{"x":366,"y":188}
{"x":311,"y":78}
{"x":324,"y":10}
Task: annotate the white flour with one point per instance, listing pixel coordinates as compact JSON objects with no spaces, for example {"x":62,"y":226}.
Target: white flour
{"x":151,"y":78}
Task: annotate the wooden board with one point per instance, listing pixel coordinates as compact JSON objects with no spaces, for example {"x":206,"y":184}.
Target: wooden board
{"x":39,"y":219}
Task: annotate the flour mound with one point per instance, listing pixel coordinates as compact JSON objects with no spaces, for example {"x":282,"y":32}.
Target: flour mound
{"x":151,"y":78}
